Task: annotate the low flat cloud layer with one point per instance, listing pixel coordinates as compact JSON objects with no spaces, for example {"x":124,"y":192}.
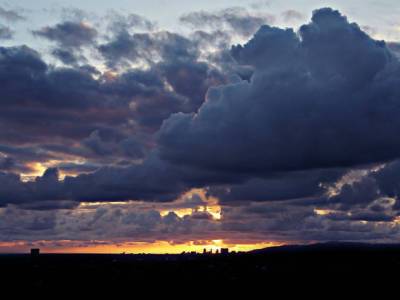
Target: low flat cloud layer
{"x":127,"y":131}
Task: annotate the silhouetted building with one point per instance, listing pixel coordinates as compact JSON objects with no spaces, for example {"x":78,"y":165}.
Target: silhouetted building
{"x":224,"y":251}
{"x":35,"y":252}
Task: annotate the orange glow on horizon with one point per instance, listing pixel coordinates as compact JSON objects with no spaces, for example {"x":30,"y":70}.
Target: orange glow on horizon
{"x":158,"y":247}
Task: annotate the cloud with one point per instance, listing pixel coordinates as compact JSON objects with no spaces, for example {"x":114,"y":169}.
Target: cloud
{"x":123,"y":109}
{"x":284,"y":119}
{"x":119,"y":22}
{"x":6,"y":33}
{"x":67,"y":57}
{"x":274,"y":128}
{"x":292,"y":15}
{"x":151,"y":181}
{"x":395,"y":47}
{"x":323,"y":98}
{"x":42,"y":189}
{"x":237,"y":19}
{"x":74,"y":14}
{"x":70,"y":38}
{"x":148,"y":48}
{"x":131,"y":223}
{"x":279,"y":187}
{"x":10,"y":15}
{"x":377,"y":189}
{"x":69,"y":34}
{"x":357,"y":193}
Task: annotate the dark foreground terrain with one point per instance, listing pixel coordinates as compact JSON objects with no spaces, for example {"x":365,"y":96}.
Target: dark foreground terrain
{"x":321,"y":261}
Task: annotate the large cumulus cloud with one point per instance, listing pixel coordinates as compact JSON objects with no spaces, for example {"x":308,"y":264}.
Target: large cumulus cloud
{"x":324,"y":97}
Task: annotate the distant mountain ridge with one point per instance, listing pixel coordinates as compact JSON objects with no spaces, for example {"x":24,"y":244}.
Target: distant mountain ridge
{"x":330,"y":246}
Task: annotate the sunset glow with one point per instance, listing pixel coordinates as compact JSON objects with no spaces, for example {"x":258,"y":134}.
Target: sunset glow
{"x":159,"y":247}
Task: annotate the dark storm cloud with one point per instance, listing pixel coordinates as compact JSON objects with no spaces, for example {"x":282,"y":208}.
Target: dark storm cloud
{"x":357,"y":193}
{"x":239,"y":133}
{"x":96,"y":144}
{"x":78,"y":168}
{"x":324,"y":98}
{"x":42,"y":112}
{"x":368,"y":216}
{"x":117,"y":107}
{"x":151,"y":181}
{"x":28,"y":80}
{"x":372,"y":190}
{"x":70,"y":37}
{"x":279,"y":187}
{"x":285,"y":222}
{"x":69,"y":34}
{"x":129,"y":221}
{"x":395,"y":47}
{"x":200,"y":75}
{"x":374,"y":197}
{"x":237,"y":19}
{"x":6,"y":163}
{"x":179,"y":65}
{"x":67,"y":57}
{"x":14,"y":222}
{"x":388,"y":180}
{"x":147,"y":47}
{"x":11,"y":15}
{"x":45,"y":188}
{"x":25,"y":153}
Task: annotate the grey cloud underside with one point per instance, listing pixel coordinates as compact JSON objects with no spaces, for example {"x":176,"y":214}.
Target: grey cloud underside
{"x":11,"y":15}
{"x":269,"y":127}
{"x":237,"y":19}
{"x":6,"y":33}
{"x":279,"y":187}
{"x":119,"y":23}
{"x":292,"y":15}
{"x":69,"y":37}
{"x":252,"y":222}
{"x":68,"y":34}
{"x":321,"y":98}
{"x":119,"y":112}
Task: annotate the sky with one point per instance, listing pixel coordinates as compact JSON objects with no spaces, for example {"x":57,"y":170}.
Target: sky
{"x":170,"y":126}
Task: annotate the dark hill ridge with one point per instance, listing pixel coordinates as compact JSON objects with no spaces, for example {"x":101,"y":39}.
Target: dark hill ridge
{"x":330,"y":258}
{"x":330,"y":247}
